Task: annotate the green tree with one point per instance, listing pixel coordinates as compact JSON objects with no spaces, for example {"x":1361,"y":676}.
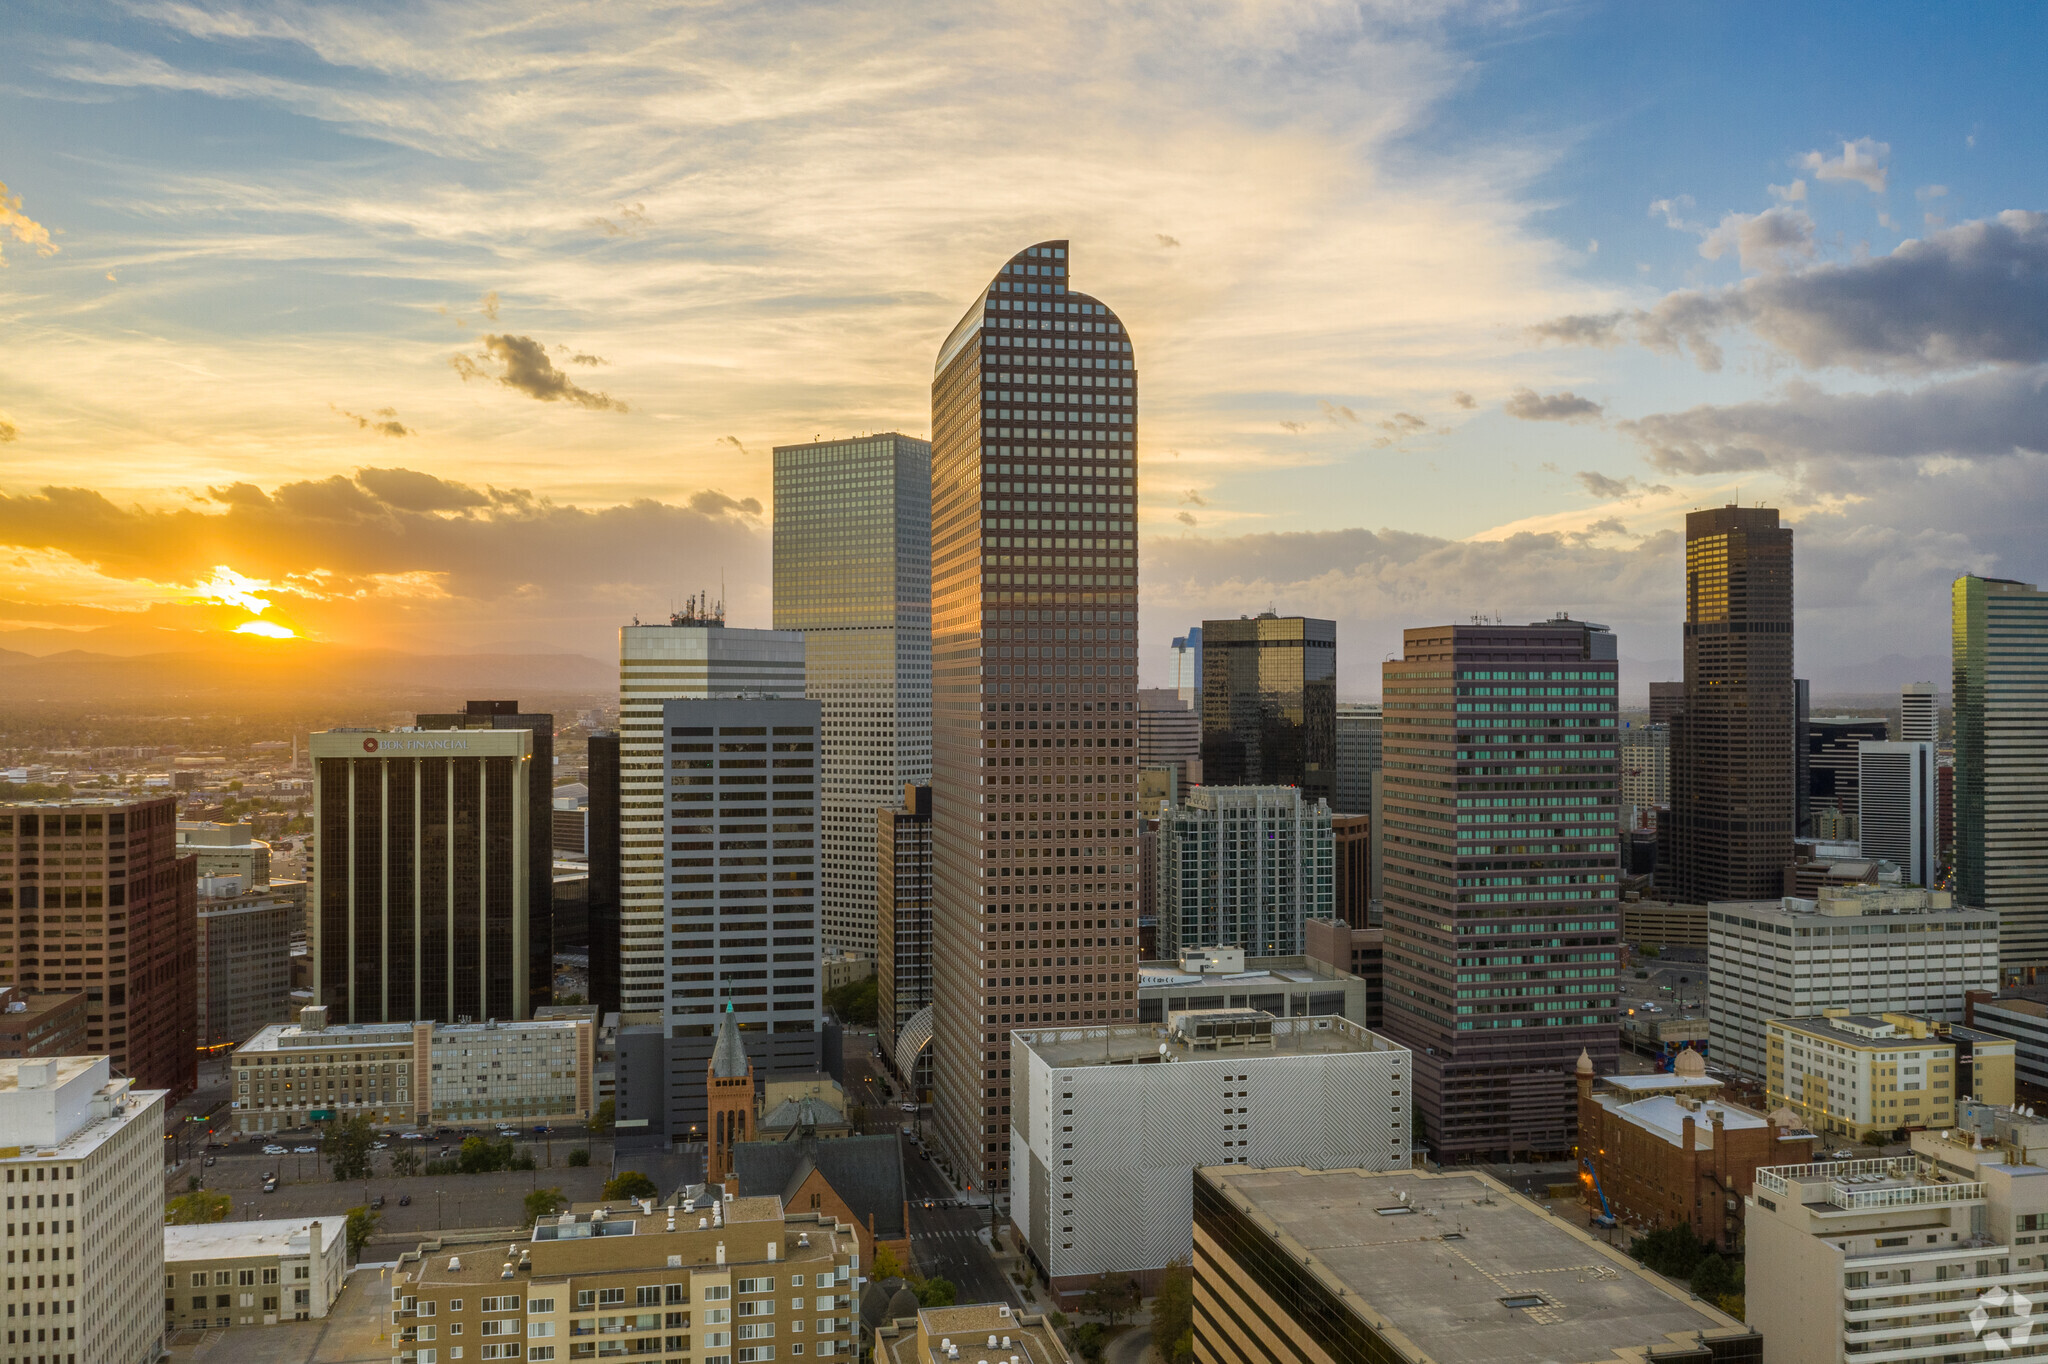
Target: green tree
{"x":937,"y":1293}
{"x":1712,"y":1277}
{"x":197,"y":1208}
{"x":628,"y":1184}
{"x":602,"y":1121}
{"x":1672,"y":1250}
{"x":1089,"y":1338}
{"x":579,"y":1158}
{"x":348,"y":1148}
{"x":856,"y":1002}
{"x":477,"y":1156}
{"x":362,"y":1225}
{"x":1112,"y":1297}
{"x":1173,"y":1315}
{"x":405,"y":1161}
{"x":886,"y":1266}
{"x":542,"y":1203}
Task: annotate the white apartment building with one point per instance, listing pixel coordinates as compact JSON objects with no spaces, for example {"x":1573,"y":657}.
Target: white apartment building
{"x":1864,"y":948}
{"x":693,"y":656}
{"x":227,"y":1274}
{"x":1645,"y":770}
{"x":1109,"y":1124}
{"x":1896,"y":807}
{"x":1244,"y":866}
{"x":1915,"y":1259}
{"x":81,"y":1161}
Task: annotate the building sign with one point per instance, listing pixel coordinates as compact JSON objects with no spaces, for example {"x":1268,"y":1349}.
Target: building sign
{"x":400,"y":744}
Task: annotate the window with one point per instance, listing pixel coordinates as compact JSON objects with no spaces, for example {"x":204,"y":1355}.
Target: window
{"x":756,"y":1285}
{"x":611,"y":1297}
{"x":510,"y":1304}
{"x":540,"y":1305}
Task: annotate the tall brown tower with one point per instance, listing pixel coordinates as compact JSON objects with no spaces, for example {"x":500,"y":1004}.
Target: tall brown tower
{"x":729,"y":1099}
{"x":1733,"y":743}
{"x":1034,"y":688}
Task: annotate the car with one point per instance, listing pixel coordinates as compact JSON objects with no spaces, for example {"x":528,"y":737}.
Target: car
{"x":405,"y":1200}
{"x":377,"y":1203}
{"x":924,"y":1155}
{"x":270,"y":1186}
{"x":908,"y":1131}
{"x":305,"y":1150}
{"x":908,"y":1107}
{"x":380,"y":1146}
{"x":412,"y":1136}
{"x":275,"y":1151}
{"x":1842,"y":1153}
{"x":211,"y":1159}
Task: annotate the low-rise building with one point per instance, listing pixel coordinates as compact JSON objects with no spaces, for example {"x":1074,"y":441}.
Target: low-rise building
{"x":1335,"y":946}
{"x":1665,"y":1035}
{"x":415,"y":1074}
{"x":253,"y":1273}
{"x":1332,"y":1267}
{"x":1665,"y":1151}
{"x":1661,"y":923}
{"x":1109,"y":1121}
{"x":991,"y":1331}
{"x":844,"y":967}
{"x":1225,"y":978}
{"x":41,"y":1024}
{"x":737,"y":1280}
{"x":1854,"y":1074}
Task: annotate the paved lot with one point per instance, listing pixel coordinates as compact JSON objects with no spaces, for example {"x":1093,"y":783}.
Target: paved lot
{"x":356,"y":1332}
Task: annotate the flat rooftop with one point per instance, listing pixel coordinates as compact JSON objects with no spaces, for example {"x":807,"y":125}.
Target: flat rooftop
{"x":1139,"y":1044}
{"x":1270,"y":972}
{"x":1436,"y":1271}
{"x":250,"y":1240}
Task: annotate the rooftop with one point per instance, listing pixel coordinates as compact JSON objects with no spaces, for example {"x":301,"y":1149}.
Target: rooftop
{"x":1458,"y":1269}
{"x":1275,"y":972}
{"x":248,"y":1240}
{"x":1886,"y":1184}
{"x":292,"y":1036}
{"x":1884,"y":1031}
{"x":1665,"y":1116}
{"x":1233,"y":1034}
{"x":981,"y":1333}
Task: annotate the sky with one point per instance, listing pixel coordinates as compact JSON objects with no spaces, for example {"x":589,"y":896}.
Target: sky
{"x":445,"y":326}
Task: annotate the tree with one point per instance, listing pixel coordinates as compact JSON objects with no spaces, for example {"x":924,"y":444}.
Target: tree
{"x":629,"y":1184}
{"x":348,"y":1148}
{"x":197,"y":1208}
{"x":1712,"y":1277}
{"x":479,"y":1157}
{"x":579,"y":1158}
{"x":1112,"y":1297}
{"x":1089,"y":1338}
{"x":1173,"y":1314}
{"x":542,"y":1203}
{"x":937,"y":1293}
{"x":602,"y":1121}
{"x":362,"y":1225}
{"x":887,"y":1266}
{"x":1672,"y":1250}
{"x":405,"y":1161}
{"x":856,"y":1002}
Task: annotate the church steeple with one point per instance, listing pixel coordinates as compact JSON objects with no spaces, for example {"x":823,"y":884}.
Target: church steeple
{"x":729,"y":1098}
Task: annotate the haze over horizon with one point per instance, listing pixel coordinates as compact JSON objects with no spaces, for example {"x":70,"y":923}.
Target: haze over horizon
{"x":440,"y":329}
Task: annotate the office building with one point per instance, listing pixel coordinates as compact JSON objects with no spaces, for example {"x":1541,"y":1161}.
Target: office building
{"x":127,"y":914}
{"x":1832,"y":772}
{"x":2023,"y":1020}
{"x":414,"y":1074}
{"x":420,"y":873}
{"x":1169,"y":734}
{"x":903,"y":964}
{"x":600,"y":1281}
{"x":1666,"y":700}
{"x":1732,"y":766}
{"x":539,"y":844}
{"x":225,"y":1274}
{"x":226,"y":850}
{"x":1849,"y":1075}
{"x":1269,"y":703}
{"x":1666,"y":1151}
{"x":853,"y":573}
{"x":692,"y":657}
{"x":2001,"y":744}
{"x":1110,"y":1122}
{"x":1866,"y":949}
{"x":1187,"y":667}
{"x":1661,"y":924}
{"x":1919,"y":714}
{"x":1244,"y":867}
{"x":244,"y":957}
{"x":1358,"y":757}
{"x":1034,"y":679}
{"x":1802,"y":760}
{"x":1204,"y":979}
{"x":1351,"y":843}
{"x":93,"y":1144}
{"x":1645,"y":774}
{"x":929,"y":1335}
{"x":1500,"y":857}
{"x":1896,"y":807}
{"x":34,"y":1025}
{"x":1337,"y":947}
{"x":742,"y":811}
{"x":1346,"y":1266}
{"x":601,"y":913}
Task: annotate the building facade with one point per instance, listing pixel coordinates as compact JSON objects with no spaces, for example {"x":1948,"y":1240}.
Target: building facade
{"x":1896,"y":802}
{"x":1111,"y":1122}
{"x":1500,"y":843}
{"x":1269,"y":703}
{"x":1919,"y":714}
{"x":1732,"y":765}
{"x":34,"y":1025}
{"x":1244,"y":867}
{"x":1187,"y":667}
{"x":1359,"y":729}
{"x":1034,"y":679}
{"x":226,"y":850}
{"x":1645,"y":774}
{"x":903,"y":962}
{"x":1169,"y":733}
{"x":1351,"y":844}
{"x":853,"y":573}
{"x":601,"y":910}
{"x":1849,"y":1075}
{"x":2000,"y":635}
{"x":1334,"y":945}
{"x":94,"y":897}
{"x":420,"y":873}
{"x":1204,"y":980}
{"x":225,"y":1274}
{"x":1832,"y":768}
{"x":1865,"y":949}
{"x":245,"y":968}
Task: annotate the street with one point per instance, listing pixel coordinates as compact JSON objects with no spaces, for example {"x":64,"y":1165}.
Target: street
{"x":950,"y":1243}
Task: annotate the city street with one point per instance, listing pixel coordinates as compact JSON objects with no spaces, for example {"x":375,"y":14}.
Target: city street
{"x":950,"y":1243}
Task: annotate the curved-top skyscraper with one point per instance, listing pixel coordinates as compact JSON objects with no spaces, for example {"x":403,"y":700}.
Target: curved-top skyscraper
{"x":1034,"y":681}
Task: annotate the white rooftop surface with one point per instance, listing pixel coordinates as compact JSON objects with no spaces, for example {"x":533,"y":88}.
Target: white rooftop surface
{"x":1653,"y":1084}
{"x":1666,"y":1116}
{"x":1159,"y":980}
{"x":65,"y":1106}
{"x":249,"y":1240}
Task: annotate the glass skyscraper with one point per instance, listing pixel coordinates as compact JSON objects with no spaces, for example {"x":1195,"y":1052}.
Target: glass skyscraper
{"x":1269,"y":703}
{"x":2001,"y":705}
{"x":853,"y":572}
{"x":1034,"y":681}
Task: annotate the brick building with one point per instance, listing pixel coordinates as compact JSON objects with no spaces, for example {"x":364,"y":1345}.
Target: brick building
{"x":1665,"y":1150}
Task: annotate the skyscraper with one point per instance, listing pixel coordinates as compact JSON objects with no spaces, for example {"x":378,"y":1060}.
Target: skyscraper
{"x":1897,"y":807}
{"x":853,"y":572}
{"x":903,"y":931}
{"x":1269,"y":703}
{"x":1919,"y":713}
{"x":1501,"y":919}
{"x":2001,"y":800}
{"x":1187,"y":666}
{"x":692,"y":657}
{"x":1244,"y":866}
{"x":1358,"y":756}
{"x":1831,"y":766}
{"x":1034,"y":673}
{"x":1666,"y":700}
{"x":601,"y":841}
{"x":1732,"y":763}
{"x":1169,"y":733}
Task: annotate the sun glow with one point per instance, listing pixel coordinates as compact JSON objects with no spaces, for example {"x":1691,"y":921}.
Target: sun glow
{"x":268,"y":629}
{"x":232,"y":589}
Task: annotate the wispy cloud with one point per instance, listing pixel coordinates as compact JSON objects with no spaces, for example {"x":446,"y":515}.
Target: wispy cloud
{"x":1861,"y":161}
{"x":1527,"y":405}
{"x":23,"y":228}
{"x":528,"y":369}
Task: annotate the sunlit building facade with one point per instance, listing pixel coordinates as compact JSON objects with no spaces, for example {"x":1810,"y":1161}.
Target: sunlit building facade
{"x":1269,"y":703}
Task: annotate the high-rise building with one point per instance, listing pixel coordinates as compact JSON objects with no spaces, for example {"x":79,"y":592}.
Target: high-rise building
{"x":1244,"y":867}
{"x":742,"y":812}
{"x":1358,"y":757}
{"x":1831,"y":766}
{"x":1732,"y":806}
{"x":2001,"y":722}
{"x":420,"y":874}
{"x":1897,"y":807}
{"x":1034,"y":675}
{"x":853,"y":572}
{"x":1802,"y":760}
{"x":601,"y":914}
{"x":1666,"y":700}
{"x":1645,"y":772}
{"x":1269,"y":703}
{"x":1169,"y":733}
{"x":130,"y":900}
{"x":244,"y":957}
{"x":1500,"y":909}
{"x":903,"y":932}
{"x":1187,"y":667}
{"x":1351,"y":844}
{"x":691,"y":657}
{"x":1919,"y":713}
{"x":540,"y":856}
{"x":68,"y":1122}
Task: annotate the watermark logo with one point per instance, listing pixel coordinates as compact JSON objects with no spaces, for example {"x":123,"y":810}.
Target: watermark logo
{"x":2022,"y":1319}
{"x":369,"y":745}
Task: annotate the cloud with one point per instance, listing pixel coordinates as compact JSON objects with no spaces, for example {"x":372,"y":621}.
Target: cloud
{"x":1793,"y":193}
{"x":710,"y":502}
{"x":1185,"y":518}
{"x":1927,"y":192}
{"x":26,"y":230}
{"x":1626,"y":487}
{"x":528,"y":369}
{"x":1861,"y":161}
{"x":8,"y":431}
{"x":628,"y":221}
{"x":1465,"y":400}
{"x":1607,"y":525}
{"x":1775,"y":239}
{"x":1581,"y":329}
{"x":1399,"y":427}
{"x":734,"y":442}
{"x":410,"y":490}
{"x":1165,"y":240}
{"x":592,"y":360}
{"x":1337,"y":414}
{"x":1671,"y":211}
{"x":489,"y":306}
{"x":1294,"y":427}
{"x":1527,"y":405}
{"x":384,"y":423}
{"x":1192,"y":498}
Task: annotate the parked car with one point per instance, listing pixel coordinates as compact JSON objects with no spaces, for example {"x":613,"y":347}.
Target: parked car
{"x":377,"y":1203}
{"x":405,"y":1200}
{"x":270,"y":1186}
{"x":305,"y":1150}
{"x":274,"y":1150}
{"x":908,"y":1107}
{"x":1842,"y":1153}
{"x":211,"y":1159}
